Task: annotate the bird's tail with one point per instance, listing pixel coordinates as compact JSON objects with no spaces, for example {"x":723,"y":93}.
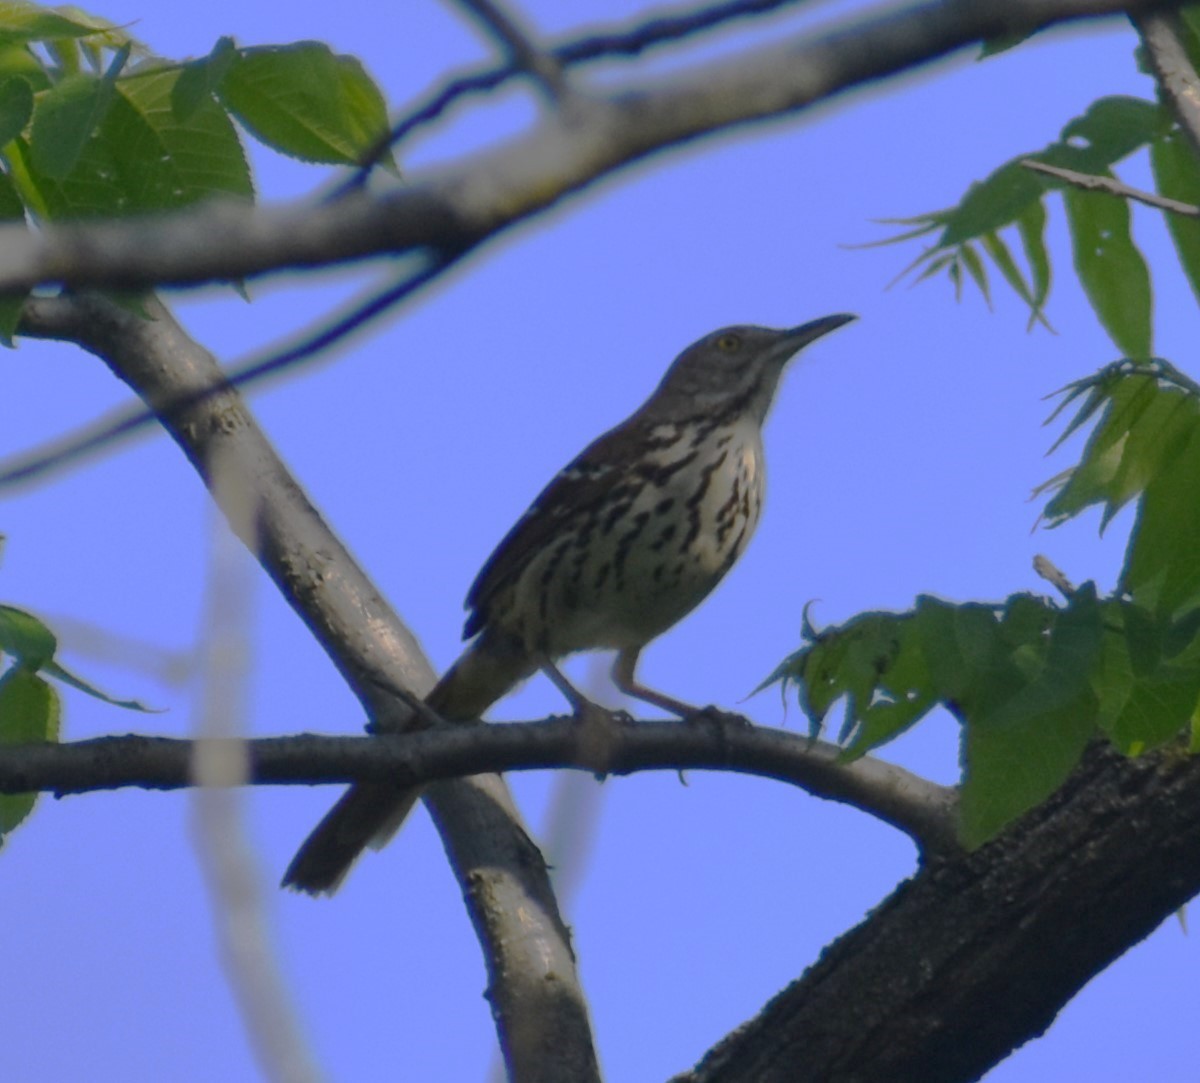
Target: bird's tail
{"x":370,"y":813}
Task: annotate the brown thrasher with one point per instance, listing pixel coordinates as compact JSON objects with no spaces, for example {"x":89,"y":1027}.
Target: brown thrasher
{"x":625,"y":541}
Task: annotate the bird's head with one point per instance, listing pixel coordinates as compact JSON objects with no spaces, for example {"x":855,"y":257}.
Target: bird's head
{"x":734,"y":368}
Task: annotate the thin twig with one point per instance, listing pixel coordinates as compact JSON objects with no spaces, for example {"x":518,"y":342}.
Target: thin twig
{"x":655,"y":31}
{"x":105,"y":432}
{"x":1094,"y":183}
{"x":542,"y":67}
{"x":1053,"y":575}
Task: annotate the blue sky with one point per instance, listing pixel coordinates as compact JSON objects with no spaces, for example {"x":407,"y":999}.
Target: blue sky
{"x":902,"y":452}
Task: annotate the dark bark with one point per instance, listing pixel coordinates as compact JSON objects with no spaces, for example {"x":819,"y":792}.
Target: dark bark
{"x":976,"y":954}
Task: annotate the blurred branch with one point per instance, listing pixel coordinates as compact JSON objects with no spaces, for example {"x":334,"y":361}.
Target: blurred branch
{"x":652,"y":32}
{"x":923,"y":810}
{"x":328,"y":331}
{"x":1161,"y":35}
{"x":456,"y":208}
{"x":542,"y":67}
{"x":533,"y":984}
{"x":1091,"y":182}
{"x":230,"y":869}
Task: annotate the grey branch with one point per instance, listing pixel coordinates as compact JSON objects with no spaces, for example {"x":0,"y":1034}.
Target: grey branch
{"x":455,"y":209}
{"x":1094,"y":183}
{"x":923,"y":810}
{"x":1177,"y":78}
{"x":533,"y":984}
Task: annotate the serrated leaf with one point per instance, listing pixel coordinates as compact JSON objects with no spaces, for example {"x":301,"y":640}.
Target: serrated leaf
{"x":29,"y":711}
{"x":1177,"y":176}
{"x":200,"y":80}
{"x":143,"y":159}
{"x":1111,"y":269}
{"x":65,"y":117}
{"x":306,"y":101}
{"x":25,"y":638}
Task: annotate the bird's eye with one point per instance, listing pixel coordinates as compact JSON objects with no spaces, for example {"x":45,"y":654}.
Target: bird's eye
{"x":729,"y":343}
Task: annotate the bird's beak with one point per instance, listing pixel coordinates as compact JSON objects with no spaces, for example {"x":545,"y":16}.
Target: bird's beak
{"x":797,"y":338}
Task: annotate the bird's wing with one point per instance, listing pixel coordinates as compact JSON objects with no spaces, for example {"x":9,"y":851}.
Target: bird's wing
{"x":589,"y":479}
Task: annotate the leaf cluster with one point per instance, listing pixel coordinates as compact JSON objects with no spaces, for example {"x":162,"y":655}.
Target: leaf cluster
{"x":92,"y":124}
{"x":1032,"y":681}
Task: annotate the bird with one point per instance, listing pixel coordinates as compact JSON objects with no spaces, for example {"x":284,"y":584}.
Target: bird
{"x":624,"y":541}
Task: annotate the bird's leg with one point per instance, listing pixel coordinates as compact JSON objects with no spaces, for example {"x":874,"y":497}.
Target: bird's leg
{"x":582,"y":707}
{"x":623,"y":677}
{"x":598,"y":731}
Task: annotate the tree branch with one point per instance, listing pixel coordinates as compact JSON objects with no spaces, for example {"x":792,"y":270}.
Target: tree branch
{"x":1160,"y":32}
{"x":923,"y":810}
{"x":533,"y":984}
{"x":978,"y":952}
{"x":457,"y":208}
{"x":1092,"y":182}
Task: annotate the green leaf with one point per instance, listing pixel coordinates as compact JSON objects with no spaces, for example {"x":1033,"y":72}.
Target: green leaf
{"x":1145,"y":697}
{"x":1112,"y":129}
{"x":1111,"y":269}
{"x":16,"y":107}
{"x":199,"y":81}
{"x":1162,"y":565}
{"x":25,"y":638}
{"x":29,"y":711}
{"x":64,"y":119}
{"x":1144,"y":426}
{"x":22,"y":21}
{"x":1177,"y":175}
{"x":1018,"y":751}
{"x":143,"y":158}
{"x":306,"y":101}
{"x":1031,"y":227}
{"x":53,"y":669}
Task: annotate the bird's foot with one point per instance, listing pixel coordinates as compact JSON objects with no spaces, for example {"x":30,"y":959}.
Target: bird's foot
{"x":711,"y":715}
{"x":598,"y":735}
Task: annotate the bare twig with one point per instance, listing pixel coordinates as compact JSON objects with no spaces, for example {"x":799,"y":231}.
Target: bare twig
{"x":1173,"y":69}
{"x":921,"y":809}
{"x":1094,"y":183}
{"x":655,"y":31}
{"x":1053,"y":575}
{"x":542,"y":67}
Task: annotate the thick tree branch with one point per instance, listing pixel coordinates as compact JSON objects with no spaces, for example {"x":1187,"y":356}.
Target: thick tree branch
{"x":533,"y":984}
{"x":454,"y":209}
{"x":923,"y":810}
{"x":977,"y":953}
{"x":1173,"y":69}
